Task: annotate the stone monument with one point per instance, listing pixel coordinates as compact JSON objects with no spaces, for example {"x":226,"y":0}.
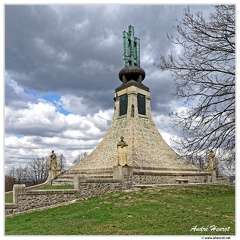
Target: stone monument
{"x":122,"y":152}
{"x":54,"y":171}
{"x":211,"y":162}
{"x":145,"y":150}
{"x":53,"y":162}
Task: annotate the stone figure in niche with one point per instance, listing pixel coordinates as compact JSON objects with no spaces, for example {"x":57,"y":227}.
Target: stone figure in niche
{"x":132,"y":110}
{"x":211,"y":161}
{"x":53,"y":162}
{"x":122,"y":152}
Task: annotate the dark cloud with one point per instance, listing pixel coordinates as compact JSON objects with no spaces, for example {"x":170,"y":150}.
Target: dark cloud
{"x":75,"y":51}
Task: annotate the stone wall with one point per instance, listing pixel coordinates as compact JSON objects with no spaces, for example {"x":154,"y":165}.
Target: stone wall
{"x":151,"y":179}
{"x":95,"y":187}
{"x":169,"y":176}
{"x":223,"y":180}
{"x":24,"y":201}
{"x":37,"y":199}
{"x":123,"y":178}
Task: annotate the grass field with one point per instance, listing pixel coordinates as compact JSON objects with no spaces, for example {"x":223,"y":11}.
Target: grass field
{"x":9,"y":198}
{"x":172,"y":210}
{"x":49,"y":187}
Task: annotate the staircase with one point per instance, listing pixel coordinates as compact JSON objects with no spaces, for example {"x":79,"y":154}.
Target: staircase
{"x":67,"y":177}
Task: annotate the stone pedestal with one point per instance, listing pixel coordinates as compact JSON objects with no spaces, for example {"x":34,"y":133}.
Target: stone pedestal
{"x":52,"y":175}
{"x":76,"y":182}
{"x":18,"y":189}
{"x":117,"y":172}
{"x":127,"y":171}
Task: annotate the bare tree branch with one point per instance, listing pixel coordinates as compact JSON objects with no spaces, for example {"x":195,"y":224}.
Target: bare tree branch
{"x":204,"y":74}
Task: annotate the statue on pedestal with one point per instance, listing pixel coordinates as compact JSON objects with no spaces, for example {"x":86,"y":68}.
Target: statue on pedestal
{"x":122,"y":152}
{"x":54,"y":171}
{"x":53,"y":162}
{"x":211,"y":162}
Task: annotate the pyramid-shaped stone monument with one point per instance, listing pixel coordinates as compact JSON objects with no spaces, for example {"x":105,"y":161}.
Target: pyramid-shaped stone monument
{"x":133,"y":139}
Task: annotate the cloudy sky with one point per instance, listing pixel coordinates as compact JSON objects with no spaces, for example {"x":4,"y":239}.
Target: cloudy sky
{"x":61,"y":70}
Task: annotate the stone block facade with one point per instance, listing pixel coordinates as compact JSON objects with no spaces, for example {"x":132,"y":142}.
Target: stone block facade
{"x":146,"y":147}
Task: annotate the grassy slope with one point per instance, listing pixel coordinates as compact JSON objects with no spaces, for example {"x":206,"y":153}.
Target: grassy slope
{"x":156,"y":211}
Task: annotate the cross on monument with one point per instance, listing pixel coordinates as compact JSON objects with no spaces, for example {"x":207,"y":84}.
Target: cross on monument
{"x":131,"y":48}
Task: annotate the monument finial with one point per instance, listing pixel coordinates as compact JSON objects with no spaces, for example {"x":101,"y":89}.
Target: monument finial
{"x":131,"y":48}
{"x":131,"y":71}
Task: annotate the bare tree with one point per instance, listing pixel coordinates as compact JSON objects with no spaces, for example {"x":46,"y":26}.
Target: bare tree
{"x":20,"y":174}
{"x":11,"y":173}
{"x":204,"y":74}
{"x":37,"y":170}
{"x":61,"y":162}
{"x":80,"y":157}
{"x":15,"y":176}
{"x":9,"y":182}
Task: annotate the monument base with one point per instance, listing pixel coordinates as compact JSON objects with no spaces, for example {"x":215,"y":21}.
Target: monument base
{"x":52,"y":175}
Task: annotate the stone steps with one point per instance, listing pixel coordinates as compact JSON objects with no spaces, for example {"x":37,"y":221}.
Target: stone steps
{"x":68,"y":176}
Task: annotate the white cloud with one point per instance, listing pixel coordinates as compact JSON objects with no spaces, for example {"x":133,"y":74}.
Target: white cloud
{"x":39,"y":128}
{"x":13,"y":84}
{"x":73,"y":104}
{"x":81,"y":26}
{"x":165,"y":127}
{"x":35,"y":116}
{"x":167,"y":137}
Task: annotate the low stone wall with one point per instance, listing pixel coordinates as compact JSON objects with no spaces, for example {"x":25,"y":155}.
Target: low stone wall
{"x":98,"y":187}
{"x":41,"y":198}
{"x":37,"y":199}
{"x":123,"y":178}
{"x":83,"y":188}
{"x":223,"y":180}
{"x":160,"y":176}
{"x":10,"y":208}
{"x":148,"y":179}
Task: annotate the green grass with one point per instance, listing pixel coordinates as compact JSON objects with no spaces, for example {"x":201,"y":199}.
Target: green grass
{"x":155,"y":211}
{"x":9,"y":198}
{"x":52,"y":187}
